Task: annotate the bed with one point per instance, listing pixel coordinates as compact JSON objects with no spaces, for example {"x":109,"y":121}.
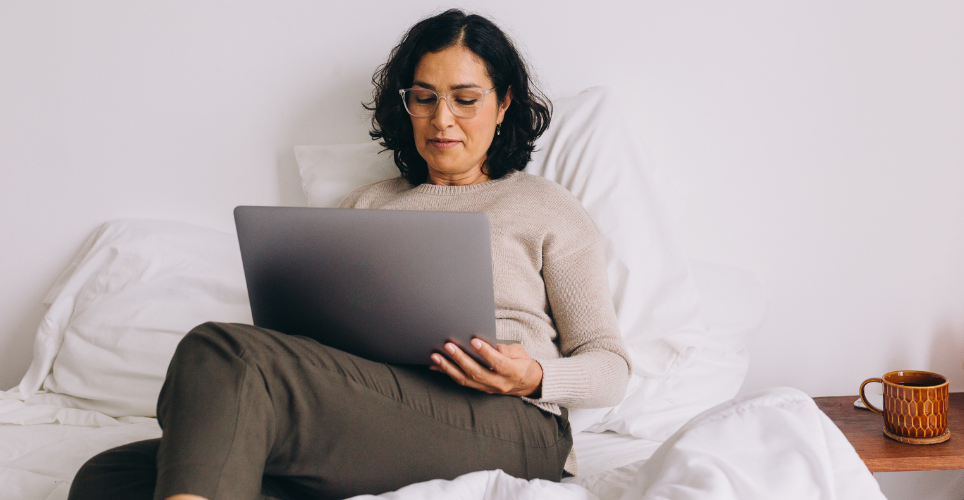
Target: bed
{"x":136,"y":286}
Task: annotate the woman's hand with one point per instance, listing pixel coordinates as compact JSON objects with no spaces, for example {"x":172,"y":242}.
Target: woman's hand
{"x":513,"y":371}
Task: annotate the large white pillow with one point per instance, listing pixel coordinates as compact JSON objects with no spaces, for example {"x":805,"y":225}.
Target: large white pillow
{"x":119,"y":310}
{"x":732,"y":308}
{"x":591,"y":149}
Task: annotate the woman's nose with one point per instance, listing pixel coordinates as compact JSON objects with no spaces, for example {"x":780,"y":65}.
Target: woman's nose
{"x":443,"y":117}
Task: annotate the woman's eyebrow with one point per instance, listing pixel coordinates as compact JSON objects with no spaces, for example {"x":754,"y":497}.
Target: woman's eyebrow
{"x":460,"y":86}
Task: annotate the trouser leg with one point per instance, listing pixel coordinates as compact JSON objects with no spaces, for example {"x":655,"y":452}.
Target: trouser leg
{"x":217,"y":418}
{"x":376,"y":428}
{"x":241,"y":403}
{"x":127,"y":472}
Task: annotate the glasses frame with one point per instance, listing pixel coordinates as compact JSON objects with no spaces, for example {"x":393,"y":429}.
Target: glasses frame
{"x":438,"y":97}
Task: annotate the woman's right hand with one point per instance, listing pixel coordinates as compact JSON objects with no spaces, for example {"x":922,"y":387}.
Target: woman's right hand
{"x":513,"y":371}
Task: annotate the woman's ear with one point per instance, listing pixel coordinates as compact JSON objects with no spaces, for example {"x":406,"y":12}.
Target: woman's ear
{"x":504,"y":105}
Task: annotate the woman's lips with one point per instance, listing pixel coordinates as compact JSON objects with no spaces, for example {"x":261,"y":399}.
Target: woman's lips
{"x":444,"y":143}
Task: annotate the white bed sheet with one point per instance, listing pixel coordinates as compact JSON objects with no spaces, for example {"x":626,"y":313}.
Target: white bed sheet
{"x":608,"y":462}
{"x":602,"y":452}
{"x":38,"y":462}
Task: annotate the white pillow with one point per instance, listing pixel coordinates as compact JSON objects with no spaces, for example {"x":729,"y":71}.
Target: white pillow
{"x":119,"y":310}
{"x":732,"y":308}
{"x":591,"y":149}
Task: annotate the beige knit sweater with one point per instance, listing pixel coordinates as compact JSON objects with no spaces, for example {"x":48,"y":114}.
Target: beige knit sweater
{"x":549,"y":272}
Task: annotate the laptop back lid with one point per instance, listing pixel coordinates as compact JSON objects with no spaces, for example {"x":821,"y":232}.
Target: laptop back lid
{"x":387,"y":285}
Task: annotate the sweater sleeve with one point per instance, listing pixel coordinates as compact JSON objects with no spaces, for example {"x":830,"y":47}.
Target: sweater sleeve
{"x":595,"y":367}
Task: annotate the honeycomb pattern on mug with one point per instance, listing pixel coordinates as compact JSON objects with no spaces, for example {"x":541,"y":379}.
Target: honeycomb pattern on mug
{"x":916,"y":411}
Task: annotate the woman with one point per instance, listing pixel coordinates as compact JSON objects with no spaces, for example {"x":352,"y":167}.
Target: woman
{"x":248,"y":412}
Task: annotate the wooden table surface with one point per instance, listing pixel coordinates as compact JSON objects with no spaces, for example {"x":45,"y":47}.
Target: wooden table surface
{"x":864,"y":429}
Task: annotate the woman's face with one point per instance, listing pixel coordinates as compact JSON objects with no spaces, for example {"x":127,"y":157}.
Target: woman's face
{"x":453,"y":147}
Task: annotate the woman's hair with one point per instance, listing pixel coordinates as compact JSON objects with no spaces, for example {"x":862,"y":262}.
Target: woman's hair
{"x":525,"y":120}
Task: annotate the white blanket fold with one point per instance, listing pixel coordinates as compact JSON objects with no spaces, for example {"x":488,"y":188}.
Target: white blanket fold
{"x":774,"y":444}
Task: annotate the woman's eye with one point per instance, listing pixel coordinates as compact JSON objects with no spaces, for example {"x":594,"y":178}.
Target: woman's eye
{"x":466,"y":102}
{"x":424,"y":100}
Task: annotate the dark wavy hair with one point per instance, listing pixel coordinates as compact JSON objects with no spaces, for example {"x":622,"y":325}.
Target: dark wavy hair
{"x":526,"y":119}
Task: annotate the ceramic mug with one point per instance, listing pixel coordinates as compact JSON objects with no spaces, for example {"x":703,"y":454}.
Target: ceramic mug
{"x":915,"y":404}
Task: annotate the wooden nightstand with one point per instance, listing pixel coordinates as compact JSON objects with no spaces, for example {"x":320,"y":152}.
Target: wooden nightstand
{"x":864,"y":430}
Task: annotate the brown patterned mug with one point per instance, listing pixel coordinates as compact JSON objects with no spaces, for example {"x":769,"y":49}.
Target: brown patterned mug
{"x":915,"y":406}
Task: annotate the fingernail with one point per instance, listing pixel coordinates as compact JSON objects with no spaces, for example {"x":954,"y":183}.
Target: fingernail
{"x":476,"y":343}
{"x":437,"y":359}
{"x":450,"y":348}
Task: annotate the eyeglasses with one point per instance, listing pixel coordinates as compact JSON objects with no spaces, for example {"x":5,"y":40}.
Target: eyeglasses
{"x":464,"y":103}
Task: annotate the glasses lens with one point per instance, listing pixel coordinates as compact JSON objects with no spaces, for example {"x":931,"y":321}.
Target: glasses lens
{"x":466,"y":102}
{"x":420,"y":102}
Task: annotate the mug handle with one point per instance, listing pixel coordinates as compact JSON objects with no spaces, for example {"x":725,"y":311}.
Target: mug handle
{"x":864,"y":398}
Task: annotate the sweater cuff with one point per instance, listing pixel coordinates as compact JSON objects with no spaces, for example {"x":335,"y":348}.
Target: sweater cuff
{"x":559,"y":380}
{"x":588,"y":380}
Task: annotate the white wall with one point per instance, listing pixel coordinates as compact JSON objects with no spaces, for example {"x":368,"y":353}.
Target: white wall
{"x":819,"y":144}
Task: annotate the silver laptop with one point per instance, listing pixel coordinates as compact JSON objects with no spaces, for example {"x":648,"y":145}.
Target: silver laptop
{"x":386,"y":285}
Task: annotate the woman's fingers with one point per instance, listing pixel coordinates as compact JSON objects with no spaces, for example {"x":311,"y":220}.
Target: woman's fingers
{"x":449,"y":368}
{"x":493,"y":356}
{"x":471,"y":368}
{"x":496,"y":382}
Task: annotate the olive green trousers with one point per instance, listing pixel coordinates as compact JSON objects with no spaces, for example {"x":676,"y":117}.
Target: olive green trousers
{"x":249,"y":413}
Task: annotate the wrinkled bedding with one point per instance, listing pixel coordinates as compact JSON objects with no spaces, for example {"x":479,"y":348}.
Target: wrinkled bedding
{"x":775,"y":444}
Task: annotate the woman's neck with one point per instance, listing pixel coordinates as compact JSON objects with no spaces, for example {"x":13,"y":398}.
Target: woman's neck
{"x":465,"y":179}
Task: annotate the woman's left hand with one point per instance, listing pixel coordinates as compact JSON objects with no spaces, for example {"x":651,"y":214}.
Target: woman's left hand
{"x":513,"y":371}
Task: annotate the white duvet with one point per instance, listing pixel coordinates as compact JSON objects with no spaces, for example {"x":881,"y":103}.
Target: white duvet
{"x":773,"y":445}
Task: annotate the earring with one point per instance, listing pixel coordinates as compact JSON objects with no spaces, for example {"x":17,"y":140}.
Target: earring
{"x":498,"y":128}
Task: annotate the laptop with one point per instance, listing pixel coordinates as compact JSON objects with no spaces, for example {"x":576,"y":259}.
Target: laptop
{"x":387,"y":285}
